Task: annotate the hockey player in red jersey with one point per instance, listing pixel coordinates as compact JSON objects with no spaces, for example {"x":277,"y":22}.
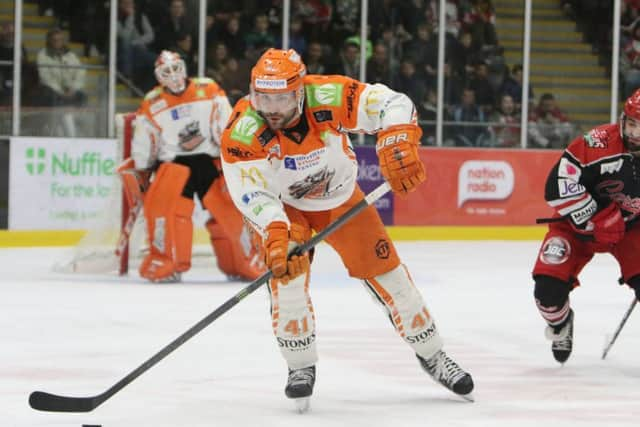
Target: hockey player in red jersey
{"x":177,"y":136}
{"x":595,"y":190}
{"x":291,"y":170}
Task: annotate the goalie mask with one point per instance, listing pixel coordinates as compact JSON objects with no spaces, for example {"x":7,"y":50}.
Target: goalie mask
{"x":171,"y":72}
{"x":277,"y":92}
{"x":630,"y":124}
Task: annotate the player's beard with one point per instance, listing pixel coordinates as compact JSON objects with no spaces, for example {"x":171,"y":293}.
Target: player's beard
{"x":277,"y":121}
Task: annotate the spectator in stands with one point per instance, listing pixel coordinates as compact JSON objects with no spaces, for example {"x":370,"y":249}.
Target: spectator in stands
{"x":378,"y":67}
{"x":423,"y":50}
{"x":29,"y":71}
{"x":314,"y":59}
{"x":512,"y":85}
{"x":260,"y":34}
{"x":217,"y":57}
{"x":345,"y":20}
{"x":135,"y":36}
{"x":630,"y":62}
{"x":316,"y":16}
{"x":175,"y":23}
{"x":507,"y":135}
{"x":464,"y":55}
{"x":184,"y":47}
{"x":233,"y":38}
{"x":479,"y":82}
{"x":480,"y":20}
{"x":62,"y":79}
{"x":548,"y":126}
{"x":427,"y":112}
{"x":409,"y":82}
{"x":297,"y":40}
{"x":467,"y":113}
{"x":349,"y":61}
{"x":61,"y":74}
{"x":235,"y":79}
{"x":453,"y":87}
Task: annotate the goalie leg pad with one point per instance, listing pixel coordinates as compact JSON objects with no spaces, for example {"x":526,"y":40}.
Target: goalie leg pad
{"x":237,"y":247}
{"x":403,"y":303}
{"x":168,"y":217}
{"x":293,"y":321}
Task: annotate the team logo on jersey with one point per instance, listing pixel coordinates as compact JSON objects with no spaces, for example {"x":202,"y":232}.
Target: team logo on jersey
{"x":382,"y":249}
{"x":157,"y":106}
{"x":241,"y":154}
{"x":611,"y":167}
{"x":351,"y":96}
{"x":246,"y":127}
{"x":555,"y":250}
{"x":290,"y":163}
{"x":583,"y":214}
{"x":181,"y":111}
{"x":326,"y":94}
{"x":304,"y":161}
{"x":190,"y":136}
{"x":568,"y":169}
{"x":568,"y":187}
{"x":596,"y":138}
{"x":315,"y":186}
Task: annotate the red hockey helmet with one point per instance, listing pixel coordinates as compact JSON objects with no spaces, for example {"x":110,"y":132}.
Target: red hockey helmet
{"x":171,"y":71}
{"x":276,"y":86}
{"x":630,"y":129}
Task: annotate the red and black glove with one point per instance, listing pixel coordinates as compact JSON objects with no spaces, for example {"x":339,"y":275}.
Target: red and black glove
{"x":277,"y":244}
{"x":608,"y":225}
{"x":400,"y":164}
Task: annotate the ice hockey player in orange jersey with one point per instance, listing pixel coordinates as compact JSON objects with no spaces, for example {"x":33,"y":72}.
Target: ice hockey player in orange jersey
{"x":177,"y":135}
{"x":290,"y":169}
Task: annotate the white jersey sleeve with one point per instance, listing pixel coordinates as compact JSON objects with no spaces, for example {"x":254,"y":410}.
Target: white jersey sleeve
{"x":379,"y":108}
{"x":143,"y":144}
{"x":253,"y":187}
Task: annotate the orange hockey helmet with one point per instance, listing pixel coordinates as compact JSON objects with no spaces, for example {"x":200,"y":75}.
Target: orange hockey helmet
{"x":276,"y":83}
{"x":171,"y":71}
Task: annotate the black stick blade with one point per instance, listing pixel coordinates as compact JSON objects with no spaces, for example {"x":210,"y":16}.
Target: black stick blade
{"x":51,"y":402}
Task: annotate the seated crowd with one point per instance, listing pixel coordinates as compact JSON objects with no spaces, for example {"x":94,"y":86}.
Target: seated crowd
{"x":482,"y":96}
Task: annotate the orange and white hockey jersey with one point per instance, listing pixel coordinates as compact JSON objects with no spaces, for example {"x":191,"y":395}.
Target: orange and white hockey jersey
{"x":191,"y":123}
{"x":310,"y":166}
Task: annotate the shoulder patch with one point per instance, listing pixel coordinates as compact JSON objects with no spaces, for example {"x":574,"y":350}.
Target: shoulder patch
{"x":266,"y":136}
{"x":202,"y":80}
{"x":246,"y":126}
{"x":153,"y":94}
{"x":597,"y":138}
{"x":324,"y":94}
{"x":323,"y":116}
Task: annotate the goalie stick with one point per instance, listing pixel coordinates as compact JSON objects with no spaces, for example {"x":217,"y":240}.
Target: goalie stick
{"x":44,"y":401}
{"x":620,"y":326}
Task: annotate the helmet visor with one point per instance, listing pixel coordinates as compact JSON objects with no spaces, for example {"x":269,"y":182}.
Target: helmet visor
{"x":269,"y":103}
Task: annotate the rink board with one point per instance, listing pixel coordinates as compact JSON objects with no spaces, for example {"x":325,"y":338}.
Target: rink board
{"x":410,"y":233}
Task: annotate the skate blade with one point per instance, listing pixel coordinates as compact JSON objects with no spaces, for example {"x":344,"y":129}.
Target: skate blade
{"x":468,"y":397}
{"x":303,"y":404}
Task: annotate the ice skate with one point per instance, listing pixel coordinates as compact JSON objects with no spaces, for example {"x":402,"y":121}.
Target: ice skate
{"x":300,"y":387}
{"x":562,"y":339}
{"x":447,"y":372}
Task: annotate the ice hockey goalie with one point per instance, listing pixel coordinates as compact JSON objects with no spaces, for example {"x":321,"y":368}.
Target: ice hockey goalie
{"x":176,"y":141}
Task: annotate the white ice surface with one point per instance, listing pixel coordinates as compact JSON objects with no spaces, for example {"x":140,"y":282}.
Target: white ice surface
{"x":78,"y":335}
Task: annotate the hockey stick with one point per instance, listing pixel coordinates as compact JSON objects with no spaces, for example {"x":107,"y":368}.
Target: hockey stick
{"x":51,"y":402}
{"x":620,"y":326}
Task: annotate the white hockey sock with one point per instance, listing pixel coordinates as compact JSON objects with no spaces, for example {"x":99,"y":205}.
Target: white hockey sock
{"x":293,"y":321}
{"x":406,"y":309}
